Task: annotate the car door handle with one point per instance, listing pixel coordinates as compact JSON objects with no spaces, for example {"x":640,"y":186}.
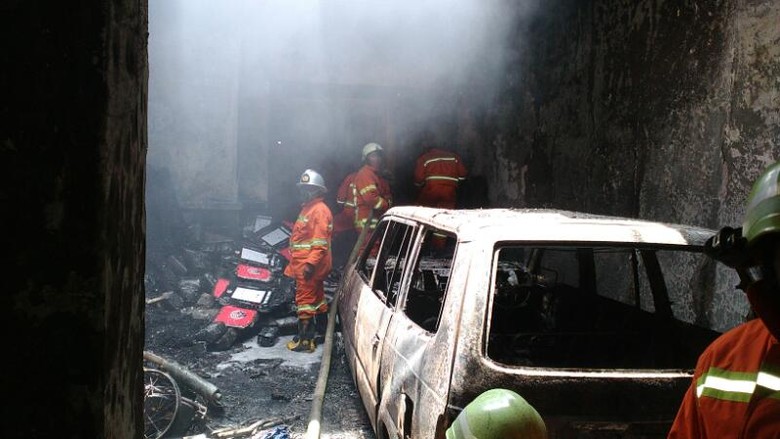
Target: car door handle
{"x":375,"y":341}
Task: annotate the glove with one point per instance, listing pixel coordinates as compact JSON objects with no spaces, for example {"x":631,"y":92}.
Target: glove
{"x":729,"y":247}
{"x":308,"y":271}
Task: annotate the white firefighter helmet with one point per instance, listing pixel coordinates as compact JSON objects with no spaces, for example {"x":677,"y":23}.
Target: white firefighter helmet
{"x":371,"y":147}
{"x":312,"y":179}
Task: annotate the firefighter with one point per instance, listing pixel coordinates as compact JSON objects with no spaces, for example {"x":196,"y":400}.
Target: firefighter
{"x":498,"y":414}
{"x":344,"y":221}
{"x":437,"y":173}
{"x":311,"y":259}
{"x":735,"y":391}
{"x":372,"y":191}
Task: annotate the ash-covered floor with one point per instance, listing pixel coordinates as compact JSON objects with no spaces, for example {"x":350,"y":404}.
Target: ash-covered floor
{"x":255,"y":382}
{"x":259,"y":382}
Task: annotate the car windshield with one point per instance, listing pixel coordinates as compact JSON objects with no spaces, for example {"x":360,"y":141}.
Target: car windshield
{"x":597,"y":307}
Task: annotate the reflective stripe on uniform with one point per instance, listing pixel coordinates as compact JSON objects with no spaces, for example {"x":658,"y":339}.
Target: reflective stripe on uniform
{"x":303,"y":219}
{"x":768,"y":380}
{"x":368,"y":188}
{"x":315,"y":242}
{"x":362,"y":222}
{"x":734,"y":386}
{"x":311,"y":307}
{"x":442,"y":177}
{"x":440,"y":159}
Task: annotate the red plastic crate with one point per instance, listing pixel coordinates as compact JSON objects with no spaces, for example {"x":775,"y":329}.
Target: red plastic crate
{"x":251,"y":272}
{"x":220,"y":287}
{"x":236,"y":317}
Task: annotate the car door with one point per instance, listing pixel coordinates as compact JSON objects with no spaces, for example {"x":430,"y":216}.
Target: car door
{"x":416,"y":358}
{"x":375,"y":306}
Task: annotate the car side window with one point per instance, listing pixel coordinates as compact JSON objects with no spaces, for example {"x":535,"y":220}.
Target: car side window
{"x":425,"y":299}
{"x":390,"y":260}
{"x":367,"y":261}
{"x":597,"y":307}
{"x":393,"y":256}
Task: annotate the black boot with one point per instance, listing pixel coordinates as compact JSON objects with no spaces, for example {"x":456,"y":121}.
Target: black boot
{"x":321,"y":327}
{"x":310,"y":333}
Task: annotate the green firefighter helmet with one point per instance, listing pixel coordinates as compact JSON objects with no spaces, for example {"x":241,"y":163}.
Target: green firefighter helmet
{"x":762,"y":215}
{"x":498,"y":413}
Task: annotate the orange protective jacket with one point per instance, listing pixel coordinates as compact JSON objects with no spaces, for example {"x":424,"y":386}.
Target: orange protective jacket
{"x":438,"y":173}
{"x":346,"y":193}
{"x":371,"y":192}
{"x":735,"y":391}
{"x":310,"y":240}
{"x":345,"y":197}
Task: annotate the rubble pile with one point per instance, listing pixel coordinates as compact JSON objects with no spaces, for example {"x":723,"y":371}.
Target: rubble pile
{"x":230,"y":289}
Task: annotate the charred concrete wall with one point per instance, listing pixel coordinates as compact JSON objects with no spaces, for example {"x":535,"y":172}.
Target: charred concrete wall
{"x":664,"y":110}
{"x":74,"y":145}
{"x":659,"y":109}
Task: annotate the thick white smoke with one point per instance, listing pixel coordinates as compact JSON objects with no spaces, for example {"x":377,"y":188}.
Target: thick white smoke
{"x":245,"y":94}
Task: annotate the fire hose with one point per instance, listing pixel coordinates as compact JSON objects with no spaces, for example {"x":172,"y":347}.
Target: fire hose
{"x":315,"y":415}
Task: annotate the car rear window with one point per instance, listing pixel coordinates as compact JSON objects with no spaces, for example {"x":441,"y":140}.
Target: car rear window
{"x":597,"y":307}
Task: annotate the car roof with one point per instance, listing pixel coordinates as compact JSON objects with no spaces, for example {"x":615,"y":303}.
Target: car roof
{"x":499,"y":224}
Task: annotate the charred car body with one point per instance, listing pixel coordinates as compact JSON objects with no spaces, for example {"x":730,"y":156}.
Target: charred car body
{"x":582,"y":315}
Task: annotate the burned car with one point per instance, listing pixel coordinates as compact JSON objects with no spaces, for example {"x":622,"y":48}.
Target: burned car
{"x":589,"y":318}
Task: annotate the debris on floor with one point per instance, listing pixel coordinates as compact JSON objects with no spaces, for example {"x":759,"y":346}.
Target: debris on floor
{"x":217,"y":309}
{"x":168,"y":411}
{"x":205,"y":389}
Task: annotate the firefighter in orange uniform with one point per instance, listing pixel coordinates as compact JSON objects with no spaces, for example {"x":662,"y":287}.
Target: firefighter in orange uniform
{"x":372,"y":192}
{"x":735,"y":391}
{"x":437,"y":173}
{"x":311,"y":260}
{"x":344,"y":221}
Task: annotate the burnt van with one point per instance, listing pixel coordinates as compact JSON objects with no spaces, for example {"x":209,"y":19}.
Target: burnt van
{"x":589,"y":318}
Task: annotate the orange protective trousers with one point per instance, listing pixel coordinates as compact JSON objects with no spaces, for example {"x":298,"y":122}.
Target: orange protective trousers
{"x":309,"y":297}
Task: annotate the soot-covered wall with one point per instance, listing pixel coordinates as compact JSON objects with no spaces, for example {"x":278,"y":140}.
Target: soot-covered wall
{"x":659,"y":109}
{"x":665,"y":110}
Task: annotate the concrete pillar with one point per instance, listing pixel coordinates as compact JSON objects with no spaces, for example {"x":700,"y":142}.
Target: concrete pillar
{"x":73,"y":154}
